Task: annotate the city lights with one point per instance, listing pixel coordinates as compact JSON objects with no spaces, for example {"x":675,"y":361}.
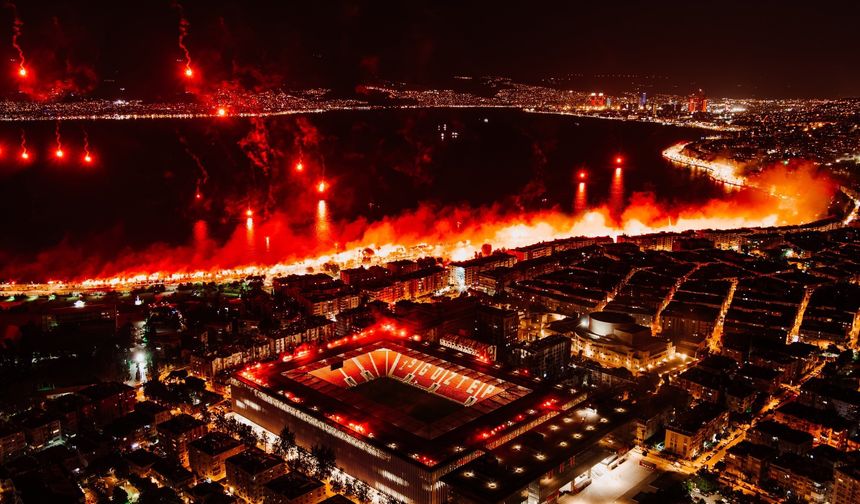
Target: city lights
{"x":535,"y":267}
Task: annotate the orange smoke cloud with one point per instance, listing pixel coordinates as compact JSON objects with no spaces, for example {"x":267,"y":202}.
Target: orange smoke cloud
{"x":800,"y":195}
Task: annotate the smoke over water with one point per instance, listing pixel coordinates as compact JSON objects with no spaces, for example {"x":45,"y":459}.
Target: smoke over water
{"x":455,"y":232}
{"x":290,"y":193}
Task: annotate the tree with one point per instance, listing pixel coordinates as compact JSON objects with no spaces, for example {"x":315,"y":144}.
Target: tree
{"x":362,"y":491}
{"x":324,"y":459}
{"x":349,"y":487}
{"x":845,"y":358}
{"x":220,"y":420}
{"x":286,"y":442}
{"x":120,"y":496}
{"x":302,"y":462}
{"x":246,"y":434}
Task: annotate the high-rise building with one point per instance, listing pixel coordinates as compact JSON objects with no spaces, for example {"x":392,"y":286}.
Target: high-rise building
{"x":597,"y":100}
{"x":698,"y":102}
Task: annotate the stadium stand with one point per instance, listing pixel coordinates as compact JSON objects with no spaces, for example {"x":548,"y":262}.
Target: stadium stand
{"x":433,"y":375}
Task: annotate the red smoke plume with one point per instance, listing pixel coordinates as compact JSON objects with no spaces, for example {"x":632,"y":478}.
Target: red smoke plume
{"x":183,"y":32}
{"x":59,"y":152}
{"x":17,"y":24}
{"x":55,"y":78}
{"x":25,"y":154}
{"x":453,"y":232}
{"x":88,"y":158}
{"x":203,"y":177}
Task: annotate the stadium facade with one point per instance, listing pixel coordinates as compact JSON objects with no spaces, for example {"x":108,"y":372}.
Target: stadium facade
{"x":399,"y":414}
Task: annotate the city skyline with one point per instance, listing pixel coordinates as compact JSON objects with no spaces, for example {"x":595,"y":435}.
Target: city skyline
{"x":734,"y":49}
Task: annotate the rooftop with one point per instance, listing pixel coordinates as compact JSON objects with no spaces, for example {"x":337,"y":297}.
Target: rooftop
{"x":816,"y":416}
{"x":180,"y":424}
{"x":214,"y":443}
{"x":254,"y":461}
{"x":573,"y":434}
{"x":293,"y":485}
{"x":782,"y":432}
{"x":746,"y":448}
{"x":694,"y":419}
{"x":304,"y":384}
{"x":104,"y":390}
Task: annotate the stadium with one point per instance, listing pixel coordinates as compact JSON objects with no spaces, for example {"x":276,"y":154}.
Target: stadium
{"x":400,"y":414}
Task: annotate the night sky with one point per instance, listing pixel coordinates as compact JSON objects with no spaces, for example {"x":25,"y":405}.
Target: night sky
{"x":731,"y":48}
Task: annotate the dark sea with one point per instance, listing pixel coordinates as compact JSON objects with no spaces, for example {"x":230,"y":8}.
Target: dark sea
{"x":159,"y":181}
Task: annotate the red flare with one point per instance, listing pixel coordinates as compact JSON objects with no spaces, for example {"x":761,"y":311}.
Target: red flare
{"x":22,"y":72}
{"x":198,"y":196}
{"x":25,"y":155}
{"x":300,"y":166}
{"x":582,"y":175}
{"x":188,"y":72}
{"x":88,"y":158}
{"x":322,"y":186}
{"x":619,"y":160}
{"x":221,"y":111}
{"x":249,"y":213}
{"x":59,"y":152}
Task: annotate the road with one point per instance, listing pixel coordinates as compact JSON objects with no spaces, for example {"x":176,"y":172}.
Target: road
{"x":708,"y":459}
